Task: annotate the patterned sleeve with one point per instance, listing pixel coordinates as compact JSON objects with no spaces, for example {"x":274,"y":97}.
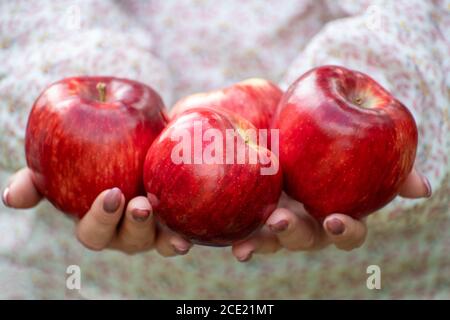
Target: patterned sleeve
{"x":44,"y":41}
{"x":222,"y":42}
{"x":403,"y":45}
{"x":205,"y":45}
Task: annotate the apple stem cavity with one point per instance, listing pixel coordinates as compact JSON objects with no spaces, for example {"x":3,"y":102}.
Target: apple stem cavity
{"x":101,"y":88}
{"x":361,"y":103}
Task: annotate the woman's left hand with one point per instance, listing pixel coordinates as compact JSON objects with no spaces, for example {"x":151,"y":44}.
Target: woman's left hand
{"x":291,"y":227}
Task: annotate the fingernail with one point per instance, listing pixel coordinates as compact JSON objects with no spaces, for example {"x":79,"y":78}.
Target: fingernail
{"x":246,"y":257}
{"x":335,"y":226}
{"x":181,"y":249}
{"x":140,"y":215}
{"x":112,"y":200}
{"x":152,"y":199}
{"x":5,"y":197}
{"x":280,"y":226}
{"x":428,"y":186}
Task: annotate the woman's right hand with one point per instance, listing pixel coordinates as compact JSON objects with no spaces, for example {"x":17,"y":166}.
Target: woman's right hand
{"x":108,"y":224}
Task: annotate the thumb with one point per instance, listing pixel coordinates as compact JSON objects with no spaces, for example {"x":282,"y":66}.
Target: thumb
{"x":416,"y":185}
{"x":345,"y":232}
{"x":21,"y":192}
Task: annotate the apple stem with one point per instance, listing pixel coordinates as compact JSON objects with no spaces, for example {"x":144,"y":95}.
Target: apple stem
{"x":358,"y":101}
{"x":101,"y":88}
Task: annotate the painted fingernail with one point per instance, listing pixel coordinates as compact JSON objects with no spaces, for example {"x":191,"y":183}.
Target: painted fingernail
{"x":5,"y":197}
{"x":280,"y":226}
{"x":427,"y":185}
{"x":181,"y":249}
{"x":112,"y":200}
{"x":246,"y":257}
{"x":335,"y":226}
{"x":140,"y":215}
{"x":152,"y":199}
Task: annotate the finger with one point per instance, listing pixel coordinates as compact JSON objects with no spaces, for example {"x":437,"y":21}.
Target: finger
{"x":295,"y":232}
{"x":21,"y":192}
{"x":263,"y":241}
{"x":345,"y":232}
{"x":169,"y":244}
{"x":137,"y":231}
{"x":416,"y":185}
{"x":97,"y":228}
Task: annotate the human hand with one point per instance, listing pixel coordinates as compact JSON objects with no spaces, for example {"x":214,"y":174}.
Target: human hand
{"x":291,"y":227}
{"x":108,"y":224}
{"x":288,"y":227}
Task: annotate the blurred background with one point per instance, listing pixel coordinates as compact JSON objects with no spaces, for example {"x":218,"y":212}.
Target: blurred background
{"x":187,"y":46}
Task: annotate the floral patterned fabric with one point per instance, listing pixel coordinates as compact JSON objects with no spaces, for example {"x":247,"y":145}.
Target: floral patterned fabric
{"x":186,"y":46}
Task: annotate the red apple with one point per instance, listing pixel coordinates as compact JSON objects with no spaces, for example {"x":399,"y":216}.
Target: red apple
{"x":253,"y":99}
{"x":346,"y":144}
{"x":88,"y":134}
{"x":204,"y":192}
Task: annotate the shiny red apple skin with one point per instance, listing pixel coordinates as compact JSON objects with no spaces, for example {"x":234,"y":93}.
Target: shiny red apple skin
{"x":78,"y":146}
{"x":210,"y":204}
{"x":346,"y":144}
{"x":254,"y":99}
